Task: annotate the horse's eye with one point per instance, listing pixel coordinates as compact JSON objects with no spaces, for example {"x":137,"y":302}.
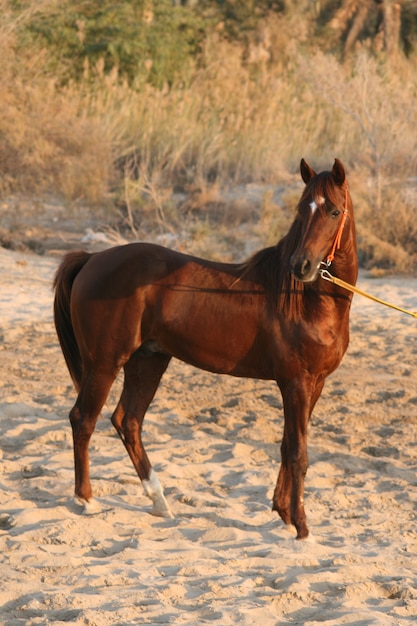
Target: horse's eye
{"x":335,"y":213}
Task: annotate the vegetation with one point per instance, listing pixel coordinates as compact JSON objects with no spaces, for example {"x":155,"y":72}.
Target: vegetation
{"x":153,"y":109}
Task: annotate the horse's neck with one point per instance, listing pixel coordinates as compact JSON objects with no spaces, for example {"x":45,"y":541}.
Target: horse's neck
{"x":346,"y":262}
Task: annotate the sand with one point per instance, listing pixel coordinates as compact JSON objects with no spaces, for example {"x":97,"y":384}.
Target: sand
{"x":225,"y":558}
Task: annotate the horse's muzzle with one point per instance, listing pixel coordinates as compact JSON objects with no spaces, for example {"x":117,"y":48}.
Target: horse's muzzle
{"x":304,"y":269}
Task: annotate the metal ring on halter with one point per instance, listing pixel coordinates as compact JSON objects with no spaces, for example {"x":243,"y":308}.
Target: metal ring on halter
{"x":326,"y":264}
{"x":324,"y":273}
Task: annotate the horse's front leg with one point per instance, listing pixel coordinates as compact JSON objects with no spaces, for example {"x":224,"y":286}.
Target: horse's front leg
{"x":299,"y":397}
{"x":281,"y":501}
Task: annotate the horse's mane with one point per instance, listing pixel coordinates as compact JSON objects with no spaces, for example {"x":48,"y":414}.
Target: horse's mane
{"x":270,"y":266}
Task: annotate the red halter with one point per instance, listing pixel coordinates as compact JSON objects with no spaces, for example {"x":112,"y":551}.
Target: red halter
{"x":338,"y":238}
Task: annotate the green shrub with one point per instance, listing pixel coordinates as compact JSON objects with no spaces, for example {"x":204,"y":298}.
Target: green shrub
{"x":144,"y":41}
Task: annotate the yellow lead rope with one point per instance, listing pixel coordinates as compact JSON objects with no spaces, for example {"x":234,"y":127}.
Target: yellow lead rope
{"x":325,"y":274}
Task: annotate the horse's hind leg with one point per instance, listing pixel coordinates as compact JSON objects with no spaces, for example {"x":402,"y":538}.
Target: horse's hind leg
{"x":143,"y":373}
{"x":83,"y":417}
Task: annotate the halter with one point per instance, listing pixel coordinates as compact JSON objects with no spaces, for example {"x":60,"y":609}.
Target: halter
{"x":338,"y":238}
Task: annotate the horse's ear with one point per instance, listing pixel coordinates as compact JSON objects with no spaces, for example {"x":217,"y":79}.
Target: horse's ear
{"x":338,"y":173}
{"x":307,"y":173}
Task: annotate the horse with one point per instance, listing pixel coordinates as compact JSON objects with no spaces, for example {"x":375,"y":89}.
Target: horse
{"x":271,"y":317}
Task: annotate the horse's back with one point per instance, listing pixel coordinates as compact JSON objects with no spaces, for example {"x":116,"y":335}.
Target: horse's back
{"x":118,"y":271}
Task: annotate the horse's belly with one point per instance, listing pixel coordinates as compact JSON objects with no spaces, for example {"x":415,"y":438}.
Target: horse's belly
{"x":216,"y":353}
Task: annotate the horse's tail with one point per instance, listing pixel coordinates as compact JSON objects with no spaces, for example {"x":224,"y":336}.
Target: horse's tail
{"x":65,"y":275}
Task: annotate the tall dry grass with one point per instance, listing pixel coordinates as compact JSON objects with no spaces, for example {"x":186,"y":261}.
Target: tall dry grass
{"x":228,"y":123}
{"x":51,"y":141}
{"x":375,"y":105}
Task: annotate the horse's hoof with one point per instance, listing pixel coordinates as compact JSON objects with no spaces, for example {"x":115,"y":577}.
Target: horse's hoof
{"x":89,"y":507}
{"x":161,"y":509}
{"x":154,"y":491}
{"x":6,"y":521}
{"x":304,"y":535}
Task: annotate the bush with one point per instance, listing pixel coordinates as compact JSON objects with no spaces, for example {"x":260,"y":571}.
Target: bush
{"x":131,"y":107}
{"x":144,"y":41}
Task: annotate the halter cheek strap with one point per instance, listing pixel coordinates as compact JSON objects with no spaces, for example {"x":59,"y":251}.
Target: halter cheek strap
{"x":338,"y":238}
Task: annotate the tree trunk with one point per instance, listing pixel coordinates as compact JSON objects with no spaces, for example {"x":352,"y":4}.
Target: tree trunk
{"x":361,"y":14}
{"x":392,"y":27}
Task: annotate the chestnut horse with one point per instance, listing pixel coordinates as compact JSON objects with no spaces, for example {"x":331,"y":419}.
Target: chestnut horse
{"x":272,"y":317}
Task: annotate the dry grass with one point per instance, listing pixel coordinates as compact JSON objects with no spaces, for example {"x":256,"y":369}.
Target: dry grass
{"x":230,"y":123}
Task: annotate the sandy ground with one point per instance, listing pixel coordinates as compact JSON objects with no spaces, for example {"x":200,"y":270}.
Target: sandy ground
{"x":226,"y":558}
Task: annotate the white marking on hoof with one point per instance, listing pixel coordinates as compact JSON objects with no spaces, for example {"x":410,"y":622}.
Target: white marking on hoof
{"x":89,"y":507}
{"x":154,"y":491}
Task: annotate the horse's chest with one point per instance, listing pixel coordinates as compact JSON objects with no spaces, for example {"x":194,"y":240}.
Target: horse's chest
{"x":323,"y":345}
{"x":324,"y":335}
{"x":307,"y":344}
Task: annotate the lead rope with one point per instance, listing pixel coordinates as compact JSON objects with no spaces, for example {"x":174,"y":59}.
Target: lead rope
{"x":325,"y":274}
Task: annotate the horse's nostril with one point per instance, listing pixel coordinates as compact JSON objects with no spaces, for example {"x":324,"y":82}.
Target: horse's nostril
{"x":305,"y":267}
{"x":301,"y":268}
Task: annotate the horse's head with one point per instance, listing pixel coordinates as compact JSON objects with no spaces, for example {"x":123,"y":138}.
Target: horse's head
{"x":322,"y":212}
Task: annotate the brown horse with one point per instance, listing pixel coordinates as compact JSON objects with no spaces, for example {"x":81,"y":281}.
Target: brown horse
{"x":272,"y":317}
